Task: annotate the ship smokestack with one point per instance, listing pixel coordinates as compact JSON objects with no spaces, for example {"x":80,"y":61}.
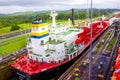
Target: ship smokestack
{"x":73,"y":17}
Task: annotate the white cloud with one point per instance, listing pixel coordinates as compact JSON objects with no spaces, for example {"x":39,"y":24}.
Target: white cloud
{"x":10,"y":6}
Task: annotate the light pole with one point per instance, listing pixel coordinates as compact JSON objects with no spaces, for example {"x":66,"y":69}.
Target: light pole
{"x":1,"y":47}
{"x":90,"y":55}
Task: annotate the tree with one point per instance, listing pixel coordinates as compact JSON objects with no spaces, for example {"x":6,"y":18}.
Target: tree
{"x":14,"y":27}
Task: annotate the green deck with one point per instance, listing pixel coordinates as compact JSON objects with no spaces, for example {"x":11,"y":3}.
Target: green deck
{"x":57,"y":26}
{"x":68,"y":32}
{"x":37,"y":54}
{"x":72,"y":50}
{"x":54,"y":42}
{"x":49,"y":50}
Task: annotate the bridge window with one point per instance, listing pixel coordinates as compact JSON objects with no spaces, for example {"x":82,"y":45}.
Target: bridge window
{"x":42,"y":42}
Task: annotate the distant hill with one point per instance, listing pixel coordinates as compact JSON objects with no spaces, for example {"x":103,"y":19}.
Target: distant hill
{"x":21,"y":13}
{"x":48,"y":11}
{"x":3,"y":14}
{"x":27,"y":13}
{"x":29,"y":16}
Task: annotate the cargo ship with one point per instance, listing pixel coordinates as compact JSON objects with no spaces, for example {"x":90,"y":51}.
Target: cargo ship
{"x":52,"y":46}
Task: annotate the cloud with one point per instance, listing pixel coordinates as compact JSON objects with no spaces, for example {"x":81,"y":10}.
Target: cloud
{"x":10,"y":6}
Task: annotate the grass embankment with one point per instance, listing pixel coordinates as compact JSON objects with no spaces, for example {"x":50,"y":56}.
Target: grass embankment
{"x":111,"y":43}
{"x":99,"y":46}
{"x":6,"y":30}
{"x":16,"y":43}
{"x":107,"y":35}
{"x":13,"y":44}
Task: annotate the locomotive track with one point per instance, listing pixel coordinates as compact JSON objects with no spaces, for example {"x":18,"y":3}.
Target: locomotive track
{"x":68,"y":74}
{"x":104,"y":72}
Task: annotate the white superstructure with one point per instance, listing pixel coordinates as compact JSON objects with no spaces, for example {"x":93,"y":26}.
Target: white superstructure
{"x":52,"y":43}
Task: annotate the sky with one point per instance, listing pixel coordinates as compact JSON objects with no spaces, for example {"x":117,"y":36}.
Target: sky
{"x":12,"y":6}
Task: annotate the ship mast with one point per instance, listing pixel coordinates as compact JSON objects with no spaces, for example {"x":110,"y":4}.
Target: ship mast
{"x":53,"y":14}
{"x":69,"y":22}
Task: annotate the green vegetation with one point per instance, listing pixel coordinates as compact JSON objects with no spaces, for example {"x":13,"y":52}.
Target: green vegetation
{"x":107,"y":35}
{"x":6,"y":30}
{"x":14,"y":27}
{"x":12,"y":45}
{"x":111,"y":43}
{"x":99,"y":46}
{"x":77,"y":78}
{"x":7,"y":21}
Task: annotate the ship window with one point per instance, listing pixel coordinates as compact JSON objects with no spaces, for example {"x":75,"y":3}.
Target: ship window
{"x":33,"y":28}
{"x":42,"y":42}
{"x":58,"y":52}
{"x":43,"y":29}
{"x":50,"y":38}
{"x":36,"y":58}
{"x":36,"y":29}
{"x":47,"y":46}
{"x":30,"y":52}
{"x":65,"y":44}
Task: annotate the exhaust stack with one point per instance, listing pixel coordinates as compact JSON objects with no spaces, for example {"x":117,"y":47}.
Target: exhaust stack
{"x":73,"y":17}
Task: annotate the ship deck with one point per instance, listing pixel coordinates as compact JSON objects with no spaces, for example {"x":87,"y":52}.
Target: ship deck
{"x":25,"y":64}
